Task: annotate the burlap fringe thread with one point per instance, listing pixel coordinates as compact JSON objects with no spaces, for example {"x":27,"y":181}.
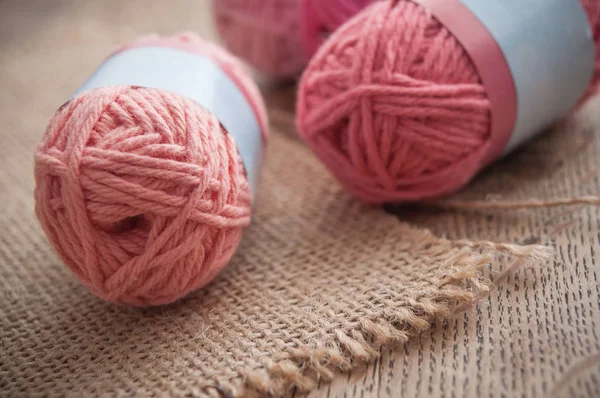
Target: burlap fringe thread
{"x":299,"y":370}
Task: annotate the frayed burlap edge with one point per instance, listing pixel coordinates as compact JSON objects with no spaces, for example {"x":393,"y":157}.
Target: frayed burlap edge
{"x":467,"y":281}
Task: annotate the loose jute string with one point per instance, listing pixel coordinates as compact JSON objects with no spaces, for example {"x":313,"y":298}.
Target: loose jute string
{"x":513,"y":204}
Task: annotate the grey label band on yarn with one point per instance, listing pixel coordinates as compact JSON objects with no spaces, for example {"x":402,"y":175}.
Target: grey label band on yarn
{"x":549,"y":48}
{"x":195,"y":77}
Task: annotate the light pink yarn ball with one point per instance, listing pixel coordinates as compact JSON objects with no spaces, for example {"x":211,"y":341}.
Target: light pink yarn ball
{"x":142,"y":192}
{"x":394,"y":106}
{"x":265,"y":33}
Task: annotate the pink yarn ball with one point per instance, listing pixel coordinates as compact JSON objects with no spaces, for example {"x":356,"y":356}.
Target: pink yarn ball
{"x":142,"y":192}
{"x":395,"y":108}
{"x":321,"y":18}
{"x":265,"y":33}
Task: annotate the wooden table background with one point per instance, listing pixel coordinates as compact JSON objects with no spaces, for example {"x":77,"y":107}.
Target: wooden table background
{"x":537,"y":334}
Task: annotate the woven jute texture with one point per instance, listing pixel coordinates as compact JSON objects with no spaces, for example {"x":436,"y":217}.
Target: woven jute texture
{"x":320,"y":284}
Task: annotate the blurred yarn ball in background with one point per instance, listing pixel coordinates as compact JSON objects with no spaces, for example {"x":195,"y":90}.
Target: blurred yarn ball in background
{"x":264,"y":33}
{"x":320,"y":18}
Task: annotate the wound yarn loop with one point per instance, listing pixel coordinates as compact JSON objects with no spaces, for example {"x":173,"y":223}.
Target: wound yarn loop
{"x":394,"y":106}
{"x":265,"y":33}
{"x":141,"y":191}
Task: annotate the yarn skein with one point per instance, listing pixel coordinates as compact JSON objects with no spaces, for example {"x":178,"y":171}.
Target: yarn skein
{"x":321,"y":18}
{"x":264,"y":33}
{"x":394,"y":106}
{"x":142,"y":192}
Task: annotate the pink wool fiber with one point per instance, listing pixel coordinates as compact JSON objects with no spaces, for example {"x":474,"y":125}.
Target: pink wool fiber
{"x":142,"y":193}
{"x":393,"y":105}
{"x":265,"y":33}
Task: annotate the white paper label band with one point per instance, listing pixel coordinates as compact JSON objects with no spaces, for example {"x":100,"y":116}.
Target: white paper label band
{"x":549,"y":48}
{"x":195,"y":77}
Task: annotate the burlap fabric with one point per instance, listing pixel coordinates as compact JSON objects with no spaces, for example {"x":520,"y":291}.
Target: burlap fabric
{"x":320,"y":283}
